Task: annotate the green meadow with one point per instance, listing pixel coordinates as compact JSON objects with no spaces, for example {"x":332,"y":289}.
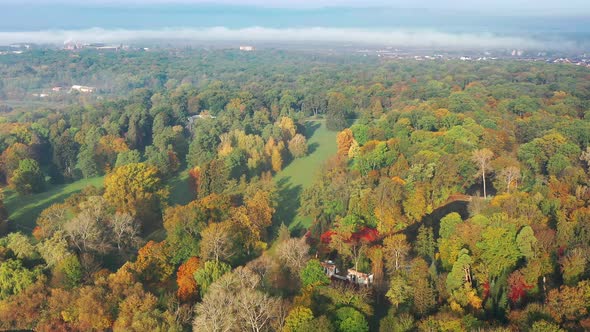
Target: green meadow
{"x":23,"y":210}
{"x":300,"y":173}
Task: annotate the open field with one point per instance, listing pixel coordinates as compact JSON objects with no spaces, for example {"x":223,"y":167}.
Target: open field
{"x":23,"y":210}
{"x":300,"y":173}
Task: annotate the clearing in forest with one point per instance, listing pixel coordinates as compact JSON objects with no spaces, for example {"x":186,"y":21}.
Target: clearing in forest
{"x":300,"y":173}
{"x":24,"y":210}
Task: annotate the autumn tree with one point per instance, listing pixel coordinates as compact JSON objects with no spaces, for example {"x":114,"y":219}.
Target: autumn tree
{"x":185,"y":279}
{"x":276,"y":159}
{"x":424,"y":299}
{"x":395,"y":250}
{"x":218,"y":242}
{"x":511,"y":176}
{"x":139,"y":312}
{"x":482,"y":158}
{"x":297,"y":319}
{"x":12,"y":156}
{"x":294,"y":253}
{"x":136,"y":189}
{"x":344,"y":140}
{"x":298,"y":146}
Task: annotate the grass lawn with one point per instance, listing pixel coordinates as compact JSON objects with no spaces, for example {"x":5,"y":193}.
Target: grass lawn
{"x":300,"y":173}
{"x":23,"y":210}
{"x":180,"y":191}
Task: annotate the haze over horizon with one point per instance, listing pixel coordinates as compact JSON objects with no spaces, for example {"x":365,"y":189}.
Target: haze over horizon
{"x":448,"y":23}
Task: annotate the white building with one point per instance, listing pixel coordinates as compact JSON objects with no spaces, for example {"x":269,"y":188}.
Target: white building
{"x":82,"y":88}
{"x":247,"y":48}
{"x":359,"y":278}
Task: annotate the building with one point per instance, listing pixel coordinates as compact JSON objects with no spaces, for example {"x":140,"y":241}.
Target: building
{"x":247,"y":48}
{"x":330,"y":268}
{"x":83,"y":89}
{"x":359,"y":278}
{"x":352,"y":276}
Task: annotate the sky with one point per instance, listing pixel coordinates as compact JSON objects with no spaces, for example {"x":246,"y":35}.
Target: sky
{"x":522,"y":6}
{"x":538,"y":24}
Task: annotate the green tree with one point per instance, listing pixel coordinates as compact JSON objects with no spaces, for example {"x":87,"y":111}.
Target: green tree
{"x":499,"y":251}
{"x":128,"y":157}
{"x":448,"y":224}
{"x":72,"y":271}
{"x":313,"y":274}
{"x":338,"y":110}
{"x":425,"y":244}
{"x":350,"y":320}
{"x":20,"y":245}
{"x":28,"y":178}
{"x":14,"y":277}
{"x":399,"y":290}
{"x":209,"y":273}
{"x":87,"y":162}
{"x":297,"y":319}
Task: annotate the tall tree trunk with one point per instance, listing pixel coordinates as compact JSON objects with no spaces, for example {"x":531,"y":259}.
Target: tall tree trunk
{"x":483,"y":176}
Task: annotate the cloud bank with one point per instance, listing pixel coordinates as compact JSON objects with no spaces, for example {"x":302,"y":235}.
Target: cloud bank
{"x":398,"y":37}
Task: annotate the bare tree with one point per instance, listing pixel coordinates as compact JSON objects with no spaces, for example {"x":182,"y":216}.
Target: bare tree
{"x":234,"y":303}
{"x":87,"y":230}
{"x":395,"y":251}
{"x":294,"y":253}
{"x":482,"y":158}
{"x":215,"y":312}
{"x":87,"y":233}
{"x":510,"y":174}
{"x":216,"y":242}
{"x":256,"y":310}
{"x":125,"y":231}
{"x":585,"y":156}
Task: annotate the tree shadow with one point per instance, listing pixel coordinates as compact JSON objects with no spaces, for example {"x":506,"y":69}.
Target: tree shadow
{"x":312,"y":147}
{"x":433,"y":219}
{"x":476,"y":189}
{"x":310,"y":128}
{"x":25,"y":219}
{"x":288,"y":203}
{"x":180,"y":190}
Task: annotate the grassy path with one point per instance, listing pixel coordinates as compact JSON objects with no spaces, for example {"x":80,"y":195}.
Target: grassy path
{"x":23,"y":210}
{"x":299,"y":174}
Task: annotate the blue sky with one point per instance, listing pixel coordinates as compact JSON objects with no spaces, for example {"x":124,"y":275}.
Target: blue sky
{"x":420,"y":23}
{"x":549,"y":7}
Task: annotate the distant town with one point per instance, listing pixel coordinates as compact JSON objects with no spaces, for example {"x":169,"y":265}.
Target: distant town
{"x":558,"y":57}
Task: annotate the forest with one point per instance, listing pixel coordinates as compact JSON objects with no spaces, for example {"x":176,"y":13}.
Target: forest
{"x":439,"y":195}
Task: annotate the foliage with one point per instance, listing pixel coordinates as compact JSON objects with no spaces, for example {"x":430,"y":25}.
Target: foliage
{"x":313,"y":274}
{"x":27,"y":178}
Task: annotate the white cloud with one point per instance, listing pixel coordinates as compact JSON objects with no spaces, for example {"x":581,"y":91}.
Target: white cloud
{"x":399,"y":37}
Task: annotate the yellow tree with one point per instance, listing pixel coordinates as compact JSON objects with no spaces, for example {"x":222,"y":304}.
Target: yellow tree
{"x":287,"y":127}
{"x":276,"y":159}
{"x":344,"y":140}
{"x":254,"y":217}
{"x":136,"y":189}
